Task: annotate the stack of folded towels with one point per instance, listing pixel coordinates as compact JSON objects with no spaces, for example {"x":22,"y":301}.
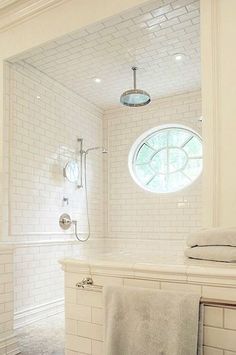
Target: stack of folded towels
{"x":217,"y":244}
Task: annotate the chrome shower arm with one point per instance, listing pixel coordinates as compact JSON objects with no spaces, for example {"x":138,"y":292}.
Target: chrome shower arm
{"x":134,"y":73}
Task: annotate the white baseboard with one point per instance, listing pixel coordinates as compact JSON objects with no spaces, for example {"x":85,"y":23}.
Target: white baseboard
{"x":34,"y":314}
{"x":9,"y":346}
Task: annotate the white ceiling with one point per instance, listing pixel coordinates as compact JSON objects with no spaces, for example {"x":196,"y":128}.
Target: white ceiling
{"x":147,"y":37}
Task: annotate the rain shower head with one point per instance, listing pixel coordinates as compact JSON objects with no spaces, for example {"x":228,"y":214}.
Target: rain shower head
{"x":135,"y":97}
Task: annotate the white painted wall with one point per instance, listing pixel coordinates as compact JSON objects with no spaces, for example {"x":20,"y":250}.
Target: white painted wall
{"x":218,"y":31}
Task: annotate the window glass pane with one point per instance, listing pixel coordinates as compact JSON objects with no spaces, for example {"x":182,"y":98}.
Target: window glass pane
{"x":193,"y":168}
{"x":159,"y":183}
{"x":168,"y":160}
{"x":159,"y":162}
{"x":194,"y":147}
{"x":158,"y":140}
{"x":177,"y":159}
{"x":144,"y":172}
{"x":144,"y":155}
{"x":177,"y":181}
{"x":177,"y":137}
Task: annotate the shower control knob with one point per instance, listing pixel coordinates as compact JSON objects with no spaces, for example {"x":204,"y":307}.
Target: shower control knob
{"x":65,"y":221}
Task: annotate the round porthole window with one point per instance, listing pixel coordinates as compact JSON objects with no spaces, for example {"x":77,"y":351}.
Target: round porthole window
{"x":166,"y":159}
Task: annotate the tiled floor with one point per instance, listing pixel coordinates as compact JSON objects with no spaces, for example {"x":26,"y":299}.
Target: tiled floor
{"x":43,"y":337}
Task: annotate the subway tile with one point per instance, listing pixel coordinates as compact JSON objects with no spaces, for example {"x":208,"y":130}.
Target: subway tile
{"x":76,"y":343}
{"x":71,"y":326}
{"x":105,"y":280}
{"x":97,"y":315}
{"x":90,"y":330}
{"x":212,"y":351}
{"x":213,"y":316}
{"x":230,"y":318}
{"x":97,"y":347}
{"x":220,"y":338}
{"x":181,"y":287}
{"x":88,"y":298}
{"x":222,"y":293}
{"x":78,"y":312}
{"x":141,"y":283}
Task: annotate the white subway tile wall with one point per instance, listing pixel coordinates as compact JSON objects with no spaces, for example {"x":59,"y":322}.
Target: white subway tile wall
{"x":137,"y":216}
{"x":42,"y":124}
{"x":4,"y":170}
{"x":6,"y":296}
{"x":45,"y":121}
{"x":8,"y":344}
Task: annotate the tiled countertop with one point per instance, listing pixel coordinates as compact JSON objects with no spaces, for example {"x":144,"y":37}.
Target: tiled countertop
{"x":156,"y":267}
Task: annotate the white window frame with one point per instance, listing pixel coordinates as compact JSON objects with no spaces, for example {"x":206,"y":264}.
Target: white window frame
{"x":138,"y":143}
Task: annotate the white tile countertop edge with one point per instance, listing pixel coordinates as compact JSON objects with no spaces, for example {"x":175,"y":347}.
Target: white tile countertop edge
{"x":204,"y":273}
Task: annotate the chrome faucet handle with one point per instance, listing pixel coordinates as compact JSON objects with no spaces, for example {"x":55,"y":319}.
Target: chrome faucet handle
{"x":65,"y":221}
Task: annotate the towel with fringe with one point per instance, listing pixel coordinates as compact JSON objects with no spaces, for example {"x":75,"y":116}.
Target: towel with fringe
{"x":150,"y":322}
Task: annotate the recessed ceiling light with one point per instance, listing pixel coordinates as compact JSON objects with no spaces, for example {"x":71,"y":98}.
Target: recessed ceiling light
{"x":97,"y":80}
{"x":179,"y":56}
{"x":38,"y":97}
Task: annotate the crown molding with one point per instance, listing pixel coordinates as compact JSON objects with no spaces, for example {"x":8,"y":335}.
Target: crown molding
{"x":13,"y":12}
{"x":5,"y":3}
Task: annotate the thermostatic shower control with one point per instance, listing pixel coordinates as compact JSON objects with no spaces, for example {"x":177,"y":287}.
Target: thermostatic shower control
{"x":65,"y":221}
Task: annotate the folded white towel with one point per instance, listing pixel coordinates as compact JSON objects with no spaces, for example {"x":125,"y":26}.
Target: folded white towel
{"x":215,"y":253}
{"x":213,"y":236}
{"x":150,"y":322}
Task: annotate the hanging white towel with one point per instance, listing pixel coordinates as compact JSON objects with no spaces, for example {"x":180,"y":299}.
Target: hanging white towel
{"x":150,"y":322}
